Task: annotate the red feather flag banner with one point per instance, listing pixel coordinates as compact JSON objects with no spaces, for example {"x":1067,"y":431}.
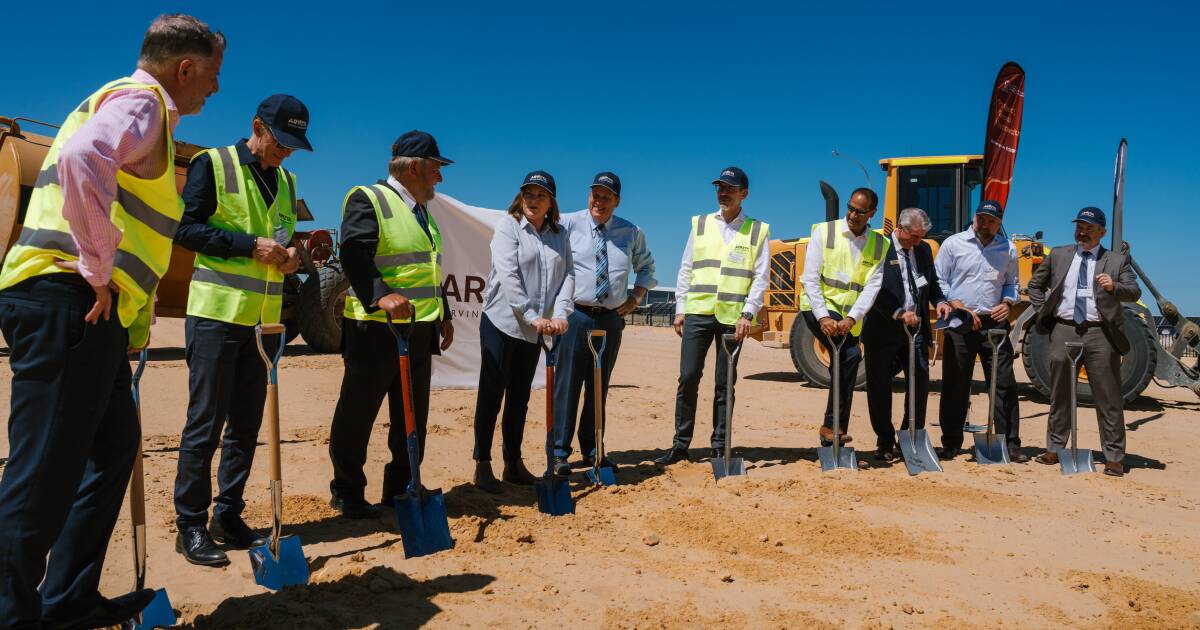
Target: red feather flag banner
{"x":1003,"y":133}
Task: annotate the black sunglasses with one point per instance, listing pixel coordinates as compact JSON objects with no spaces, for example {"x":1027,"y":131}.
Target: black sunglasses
{"x":858,"y":210}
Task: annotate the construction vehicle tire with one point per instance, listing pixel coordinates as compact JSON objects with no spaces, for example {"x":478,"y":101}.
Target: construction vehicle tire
{"x":812,"y":361}
{"x":1137,"y":367}
{"x":319,"y":312}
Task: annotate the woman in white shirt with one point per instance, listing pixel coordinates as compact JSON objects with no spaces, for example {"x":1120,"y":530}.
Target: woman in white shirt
{"x":529,"y":293}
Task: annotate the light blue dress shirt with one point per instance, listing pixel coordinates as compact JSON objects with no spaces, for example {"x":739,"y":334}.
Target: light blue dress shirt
{"x":627,"y":252}
{"x":532,"y":277}
{"x":978,"y":276}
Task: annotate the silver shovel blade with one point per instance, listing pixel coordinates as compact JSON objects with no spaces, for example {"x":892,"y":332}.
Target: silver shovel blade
{"x":1080,"y":463}
{"x":846,"y":458}
{"x":919,"y":455}
{"x":737,"y":466}
{"x":991,"y":449}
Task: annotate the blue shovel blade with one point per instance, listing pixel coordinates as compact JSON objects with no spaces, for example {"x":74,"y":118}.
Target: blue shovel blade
{"x":556,"y":500}
{"x":421,"y":517}
{"x":291,"y":568}
{"x":158,"y":614}
{"x":607,"y":476}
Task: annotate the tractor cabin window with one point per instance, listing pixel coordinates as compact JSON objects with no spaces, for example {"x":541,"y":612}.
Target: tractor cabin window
{"x":932,"y":189}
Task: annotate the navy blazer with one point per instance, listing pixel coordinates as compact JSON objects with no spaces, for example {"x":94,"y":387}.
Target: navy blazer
{"x":880,"y":324}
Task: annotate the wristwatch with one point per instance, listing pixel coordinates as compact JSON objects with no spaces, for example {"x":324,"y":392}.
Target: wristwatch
{"x":748,"y":317}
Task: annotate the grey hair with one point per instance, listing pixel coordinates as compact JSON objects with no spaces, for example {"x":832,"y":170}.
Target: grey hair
{"x":914,"y":218}
{"x":176,"y":36}
{"x":399,"y":164}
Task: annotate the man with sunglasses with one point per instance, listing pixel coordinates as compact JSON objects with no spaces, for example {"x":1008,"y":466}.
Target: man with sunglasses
{"x":841,"y":279}
{"x":239,"y":215}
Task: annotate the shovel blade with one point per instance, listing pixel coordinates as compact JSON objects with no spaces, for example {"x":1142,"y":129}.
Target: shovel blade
{"x":421,"y":517}
{"x":291,"y":568}
{"x":607,"y":476}
{"x":737,"y":467}
{"x":845,"y":459}
{"x":1081,"y":462}
{"x":991,"y":449}
{"x":919,"y":455}
{"x":554,"y":498}
{"x":158,"y":614}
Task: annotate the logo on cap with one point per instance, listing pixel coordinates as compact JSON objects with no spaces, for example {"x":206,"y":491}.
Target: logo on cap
{"x":606,"y":179}
{"x":297,"y":123}
{"x":727,"y":173}
{"x":537,"y":178}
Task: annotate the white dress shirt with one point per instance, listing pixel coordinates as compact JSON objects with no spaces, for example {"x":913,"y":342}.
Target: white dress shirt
{"x":1066,"y":308}
{"x":903,"y":256}
{"x":814,"y":255}
{"x":762,"y":265}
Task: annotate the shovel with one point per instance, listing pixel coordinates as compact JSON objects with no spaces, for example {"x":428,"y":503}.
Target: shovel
{"x":919,"y":455}
{"x":837,"y":456}
{"x":280,"y":562}
{"x":1075,"y":460}
{"x":599,"y":474}
{"x":727,"y":464}
{"x":992,"y":447}
{"x":159,"y":613}
{"x":553,"y":492}
{"x":420,"y":513}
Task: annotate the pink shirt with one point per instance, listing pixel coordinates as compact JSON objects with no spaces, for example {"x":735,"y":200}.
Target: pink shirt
{"x":124,"y":133}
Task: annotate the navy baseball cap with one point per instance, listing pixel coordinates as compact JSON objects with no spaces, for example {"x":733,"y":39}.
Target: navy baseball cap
{"x":287,"y":118}
{"x":992,"y":208}
{"x":418,"y":144}
{"x":733,"y":176}
{"x":608,"y":180}
{"x":541,"y":179}
{"x":1093,"y":215}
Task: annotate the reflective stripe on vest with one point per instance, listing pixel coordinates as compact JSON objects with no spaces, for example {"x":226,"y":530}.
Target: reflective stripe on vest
{"x":242,"y":290}
{"x":722,"y":273}
{"x":146,"y":211}
{"x":409,"y":261}
{"x":842,"y":277}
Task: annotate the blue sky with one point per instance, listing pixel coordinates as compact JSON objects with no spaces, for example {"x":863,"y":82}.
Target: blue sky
{"x":668,"y":94}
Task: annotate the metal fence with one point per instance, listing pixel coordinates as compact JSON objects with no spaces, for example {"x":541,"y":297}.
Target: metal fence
{"x":1167,"y":337}
{"x":655,"y":314}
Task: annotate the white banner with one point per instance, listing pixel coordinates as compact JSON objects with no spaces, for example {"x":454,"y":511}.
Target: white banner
{"x":466,"y":237}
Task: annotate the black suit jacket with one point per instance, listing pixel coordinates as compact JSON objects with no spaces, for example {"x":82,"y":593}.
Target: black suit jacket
{"x":1046,"y":291}
{"x":881,"y":324}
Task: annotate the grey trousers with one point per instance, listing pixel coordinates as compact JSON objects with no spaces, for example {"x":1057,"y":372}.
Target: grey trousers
{"x":1103,"y":364}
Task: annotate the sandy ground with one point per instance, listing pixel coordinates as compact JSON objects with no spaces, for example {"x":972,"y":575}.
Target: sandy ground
{"x":784,"y":546}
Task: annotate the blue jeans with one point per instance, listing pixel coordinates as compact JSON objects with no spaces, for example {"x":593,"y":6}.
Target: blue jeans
{"x":574,"y":369}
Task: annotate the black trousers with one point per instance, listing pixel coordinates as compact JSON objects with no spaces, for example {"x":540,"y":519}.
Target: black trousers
{"x":850,"y":357}
{"x":227,"y":386}
{"x":958,"y":367}
{"x":507,"y":366}
{"x":574,"y":371}
{"x":73,"y":434}
{"x":372,"y":371}
{"x":886,"y":357}
{"x":699,"y":333}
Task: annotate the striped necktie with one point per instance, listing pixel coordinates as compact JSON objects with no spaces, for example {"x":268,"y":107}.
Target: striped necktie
{"x":601,"y":247}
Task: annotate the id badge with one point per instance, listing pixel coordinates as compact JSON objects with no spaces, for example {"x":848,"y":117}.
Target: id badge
{"x":736,"y":258}
{"x":991,"y":275}
{"x":1087,"y":293}
{"x":921,"y":281}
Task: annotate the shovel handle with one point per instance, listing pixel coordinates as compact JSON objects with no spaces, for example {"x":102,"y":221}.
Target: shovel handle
{"x":273,"y":430}
{"x":137,"y":482}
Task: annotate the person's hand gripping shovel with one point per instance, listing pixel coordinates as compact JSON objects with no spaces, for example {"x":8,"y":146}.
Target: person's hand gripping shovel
{"x":836,"y":455}
{"x":1075,"y":460}
{"x":992,"y":447}
{"x":727,"y":465}
{"x":915,"y":445}
{"x":420,"y":512}
{"x":599,"y":473}
{"x":281,"y":561}
{"x":553,"y":491}
{"x":158,"y":614}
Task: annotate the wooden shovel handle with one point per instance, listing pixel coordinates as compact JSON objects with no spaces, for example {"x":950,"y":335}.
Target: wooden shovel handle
{"x":273,"y":430}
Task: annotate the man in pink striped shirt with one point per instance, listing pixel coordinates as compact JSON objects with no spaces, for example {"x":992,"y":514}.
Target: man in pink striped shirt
{"x":73,"y":424}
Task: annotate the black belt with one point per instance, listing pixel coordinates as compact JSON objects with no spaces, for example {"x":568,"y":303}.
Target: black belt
{"x":1074,"y":324}
{"x":593,"y":310}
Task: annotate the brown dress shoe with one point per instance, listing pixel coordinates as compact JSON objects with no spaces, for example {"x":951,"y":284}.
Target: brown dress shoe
{"x":1017,"y":457}
{"x":827,"y":436}
{"x":1047,"y":458}
{"x":1114,"y":469}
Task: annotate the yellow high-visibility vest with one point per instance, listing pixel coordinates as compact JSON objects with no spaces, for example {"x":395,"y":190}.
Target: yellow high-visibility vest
{"x":722,"y":272}
{"x":842,"y":278}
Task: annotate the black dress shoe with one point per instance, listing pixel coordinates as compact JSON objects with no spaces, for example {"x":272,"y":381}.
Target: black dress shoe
{"x":1017,"y":457}
{"x":886,"y":454}
{"x":672,"y":456}
{"x":355,"y":508}
{"x":484,"y":479}
{"x":946,"y":454}
{"x":107,"y":612}
{"x":233,"y":531}
{"x":561,"y":467}
{"x":515,"y":472}
{"x":198,"y":547}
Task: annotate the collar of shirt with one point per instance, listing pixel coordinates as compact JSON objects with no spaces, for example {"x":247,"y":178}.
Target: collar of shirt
{"x":851,"y":235}
{"x":896,"y":243}
{"x":245,"y":157}
{"x":607,"y":224}
{"x":1095,"y":251}
{"x":405,"y":196}
{"x":141,"y":76}
{"x":737,"y":220}
{"x":996,"y":240}
{"x":525,"y":224}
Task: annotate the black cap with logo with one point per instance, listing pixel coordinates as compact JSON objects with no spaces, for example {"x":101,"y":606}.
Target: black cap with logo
{"x":287,"y":118}
{"x":609,"y":180}
{"x":541,"y":179}
{"x":418,"y":144}
{"x":733,"y":176}
{"x":1093,"y":215}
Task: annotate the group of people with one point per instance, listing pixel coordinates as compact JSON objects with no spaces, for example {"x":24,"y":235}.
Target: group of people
{"x":77,"y":293}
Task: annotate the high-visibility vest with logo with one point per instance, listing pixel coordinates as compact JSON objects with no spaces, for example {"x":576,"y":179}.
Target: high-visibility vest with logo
{"x":243,"y":290}
{"x":409,"y":260}
{"x":843,"y":278}
{"x":722,"y":272}
{"x":146,"y":211}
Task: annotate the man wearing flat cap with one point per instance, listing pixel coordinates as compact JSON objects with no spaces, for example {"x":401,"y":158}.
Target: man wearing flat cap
{"x":391,"y":250}
{"x":720,"y":288}
{"x":1077,"y":291}
{"x":239,"y":216}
